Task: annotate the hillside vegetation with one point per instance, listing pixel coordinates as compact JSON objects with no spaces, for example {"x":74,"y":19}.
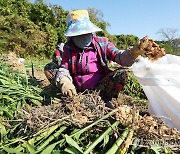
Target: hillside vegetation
{"x":34,"y":29}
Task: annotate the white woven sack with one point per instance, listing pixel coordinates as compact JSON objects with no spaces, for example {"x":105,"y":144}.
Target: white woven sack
{"x":160,"y":81}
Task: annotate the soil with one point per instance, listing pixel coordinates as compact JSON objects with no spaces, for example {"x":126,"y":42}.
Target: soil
{"x":14,"y":62}
{"x":38,"y":76}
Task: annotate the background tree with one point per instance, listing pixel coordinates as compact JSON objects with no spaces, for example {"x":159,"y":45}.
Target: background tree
{"x":171,"y":40}
{"x":125,"y":41}
{"x":60,"y":22}
{"x":96,"y":16}
{"x":30,"y":29}
{"x":36,"y":28}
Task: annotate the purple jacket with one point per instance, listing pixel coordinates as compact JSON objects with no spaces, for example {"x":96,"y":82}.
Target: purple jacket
{"x":89,"y":70}
{"x":89,"y":64}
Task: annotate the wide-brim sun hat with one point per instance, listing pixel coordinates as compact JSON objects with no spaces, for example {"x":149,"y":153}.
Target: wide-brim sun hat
{"x":79,"y":24}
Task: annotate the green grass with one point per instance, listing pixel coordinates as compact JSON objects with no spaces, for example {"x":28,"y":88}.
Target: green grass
{"x":38,"y":63}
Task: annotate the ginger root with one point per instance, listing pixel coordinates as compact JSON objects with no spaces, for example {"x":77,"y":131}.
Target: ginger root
{"x":152,"y":49}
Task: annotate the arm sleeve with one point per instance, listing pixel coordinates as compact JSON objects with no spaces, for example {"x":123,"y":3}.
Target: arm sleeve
{"x":124,"y":58}
{"x":111,"y":51}
{"x":63,"y":70}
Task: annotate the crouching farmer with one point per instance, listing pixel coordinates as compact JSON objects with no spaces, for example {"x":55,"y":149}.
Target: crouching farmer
{"x":85,"y":57}
{"x":51,"y":68}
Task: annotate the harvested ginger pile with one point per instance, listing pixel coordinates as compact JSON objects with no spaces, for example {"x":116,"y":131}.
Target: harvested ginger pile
{"x":152,"y":49}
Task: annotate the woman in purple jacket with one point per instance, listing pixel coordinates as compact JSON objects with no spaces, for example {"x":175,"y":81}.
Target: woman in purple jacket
{"x":85,"y":57}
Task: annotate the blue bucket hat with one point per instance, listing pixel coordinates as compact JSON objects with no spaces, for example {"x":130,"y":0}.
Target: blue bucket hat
{"x":79,"y":24}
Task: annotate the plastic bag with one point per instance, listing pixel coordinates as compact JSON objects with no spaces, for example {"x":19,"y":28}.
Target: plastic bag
{"x":160,"y":81}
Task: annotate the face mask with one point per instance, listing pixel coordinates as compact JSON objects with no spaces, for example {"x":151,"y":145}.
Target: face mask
{"x":82,"y":41}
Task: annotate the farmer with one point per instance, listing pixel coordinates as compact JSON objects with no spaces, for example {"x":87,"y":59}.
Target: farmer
{"x":85,"y":57}
{"x":57,"y":56}
{"x":51,"y":68}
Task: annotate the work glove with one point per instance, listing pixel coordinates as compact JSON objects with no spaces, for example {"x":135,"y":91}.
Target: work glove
{"x":140,"y":48}
{"x":148,"y":47}
{"x":67,"y":87}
